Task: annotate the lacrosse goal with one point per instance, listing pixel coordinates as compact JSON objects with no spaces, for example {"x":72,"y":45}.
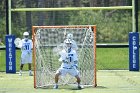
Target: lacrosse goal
{"x":48,"y":41}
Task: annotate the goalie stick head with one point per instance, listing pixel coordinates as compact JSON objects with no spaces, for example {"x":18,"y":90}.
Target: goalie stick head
{"x":18,"y":42}
{"x":70,"y":36}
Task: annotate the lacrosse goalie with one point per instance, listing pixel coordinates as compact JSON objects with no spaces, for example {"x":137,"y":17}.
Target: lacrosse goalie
{"x":26,"y":48}
{"x":74,"y":45}
{"x":69,"y":59}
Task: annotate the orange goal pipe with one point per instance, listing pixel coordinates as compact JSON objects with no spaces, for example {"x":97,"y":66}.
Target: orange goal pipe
{"x":94,"y":56}
{"x":34,"y":57}
{"x":70,"y":26}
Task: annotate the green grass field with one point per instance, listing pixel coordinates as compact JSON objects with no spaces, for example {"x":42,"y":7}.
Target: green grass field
{"x":109,"y":81}
{"x":112,"y":76}
{"x":107,"y":58}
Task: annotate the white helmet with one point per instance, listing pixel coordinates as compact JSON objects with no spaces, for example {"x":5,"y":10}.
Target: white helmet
{"x":70,"y":36}
{"x":25,"y":34}
{"x":68,"y":45}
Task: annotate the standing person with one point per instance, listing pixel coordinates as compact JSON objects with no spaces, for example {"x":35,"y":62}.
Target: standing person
{"x":69,"y":59}
{"x":74,"y":44}
{"x":26,"y":55}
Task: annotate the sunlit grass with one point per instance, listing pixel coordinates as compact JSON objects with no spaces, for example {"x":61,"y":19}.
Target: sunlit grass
{"x":107,"y":58}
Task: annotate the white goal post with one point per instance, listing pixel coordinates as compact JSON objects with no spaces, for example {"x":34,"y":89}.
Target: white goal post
{"x":48,"y":41}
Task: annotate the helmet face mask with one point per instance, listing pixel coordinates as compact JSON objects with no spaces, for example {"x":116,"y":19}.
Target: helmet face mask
{"x":68,"y":45}
{"x":26,"y":36}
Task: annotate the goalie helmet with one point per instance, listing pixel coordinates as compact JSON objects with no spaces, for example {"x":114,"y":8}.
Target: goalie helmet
{"x":26,"y":35}
{"x":68,"y":45}
{"x":70,"y":36}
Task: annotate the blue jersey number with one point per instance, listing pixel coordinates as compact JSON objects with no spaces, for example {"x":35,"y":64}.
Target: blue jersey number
{"x":27,"y":47}
{"x":70,"y":57}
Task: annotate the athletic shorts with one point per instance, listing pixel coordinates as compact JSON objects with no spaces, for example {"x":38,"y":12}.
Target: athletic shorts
{"x":63,"y":71}
{"x":26,"y":58}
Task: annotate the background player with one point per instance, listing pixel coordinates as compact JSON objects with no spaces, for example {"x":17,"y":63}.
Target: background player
{"x":69,"y":60}
{"x":26,"y":55}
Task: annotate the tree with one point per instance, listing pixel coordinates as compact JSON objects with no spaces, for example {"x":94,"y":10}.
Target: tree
{"x":77,"y":3}
{"x":41,"y":15}
{"x":28,"y":16}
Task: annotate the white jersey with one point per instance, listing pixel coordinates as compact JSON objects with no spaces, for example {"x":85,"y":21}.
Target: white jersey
{"x":26,"y":45}
{"x":74,"y":45}
{"x":68,"y":58}
{"x":26,"y":49}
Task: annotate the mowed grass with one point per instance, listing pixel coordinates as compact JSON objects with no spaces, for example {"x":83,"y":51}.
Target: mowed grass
{"x":111,"y":81}
{"x":107,"y":58}
{"x":112,"y":58}
{"x":111,"y":76}
{"x":3,"y":60}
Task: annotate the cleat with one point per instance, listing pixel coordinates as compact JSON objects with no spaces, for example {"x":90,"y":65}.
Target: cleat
{"x":55,"y":87}
{"x":30,"y":74}
{"x":20,"y":74}
{"x":79,"y":87}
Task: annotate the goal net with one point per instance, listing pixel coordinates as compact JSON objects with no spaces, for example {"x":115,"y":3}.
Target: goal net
{"x":48,"y":42}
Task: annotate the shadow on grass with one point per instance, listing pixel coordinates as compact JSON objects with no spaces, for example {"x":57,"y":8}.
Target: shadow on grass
{"x":72,"y":87}
{"x":101,"y":87}
{"x":75,"y":88}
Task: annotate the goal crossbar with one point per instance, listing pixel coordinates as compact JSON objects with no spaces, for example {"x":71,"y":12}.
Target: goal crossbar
{"x":72,"y":8}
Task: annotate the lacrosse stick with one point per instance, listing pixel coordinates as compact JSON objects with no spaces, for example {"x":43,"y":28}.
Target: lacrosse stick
{"x":65,"y":34}
{"x":18,"y":42}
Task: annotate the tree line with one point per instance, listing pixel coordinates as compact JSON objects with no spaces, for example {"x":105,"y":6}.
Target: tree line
{"x":112,"y":25}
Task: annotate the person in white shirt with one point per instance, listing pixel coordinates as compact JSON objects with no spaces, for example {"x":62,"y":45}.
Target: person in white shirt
{"x":69,"y":59}
{"x":26,"y":55}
